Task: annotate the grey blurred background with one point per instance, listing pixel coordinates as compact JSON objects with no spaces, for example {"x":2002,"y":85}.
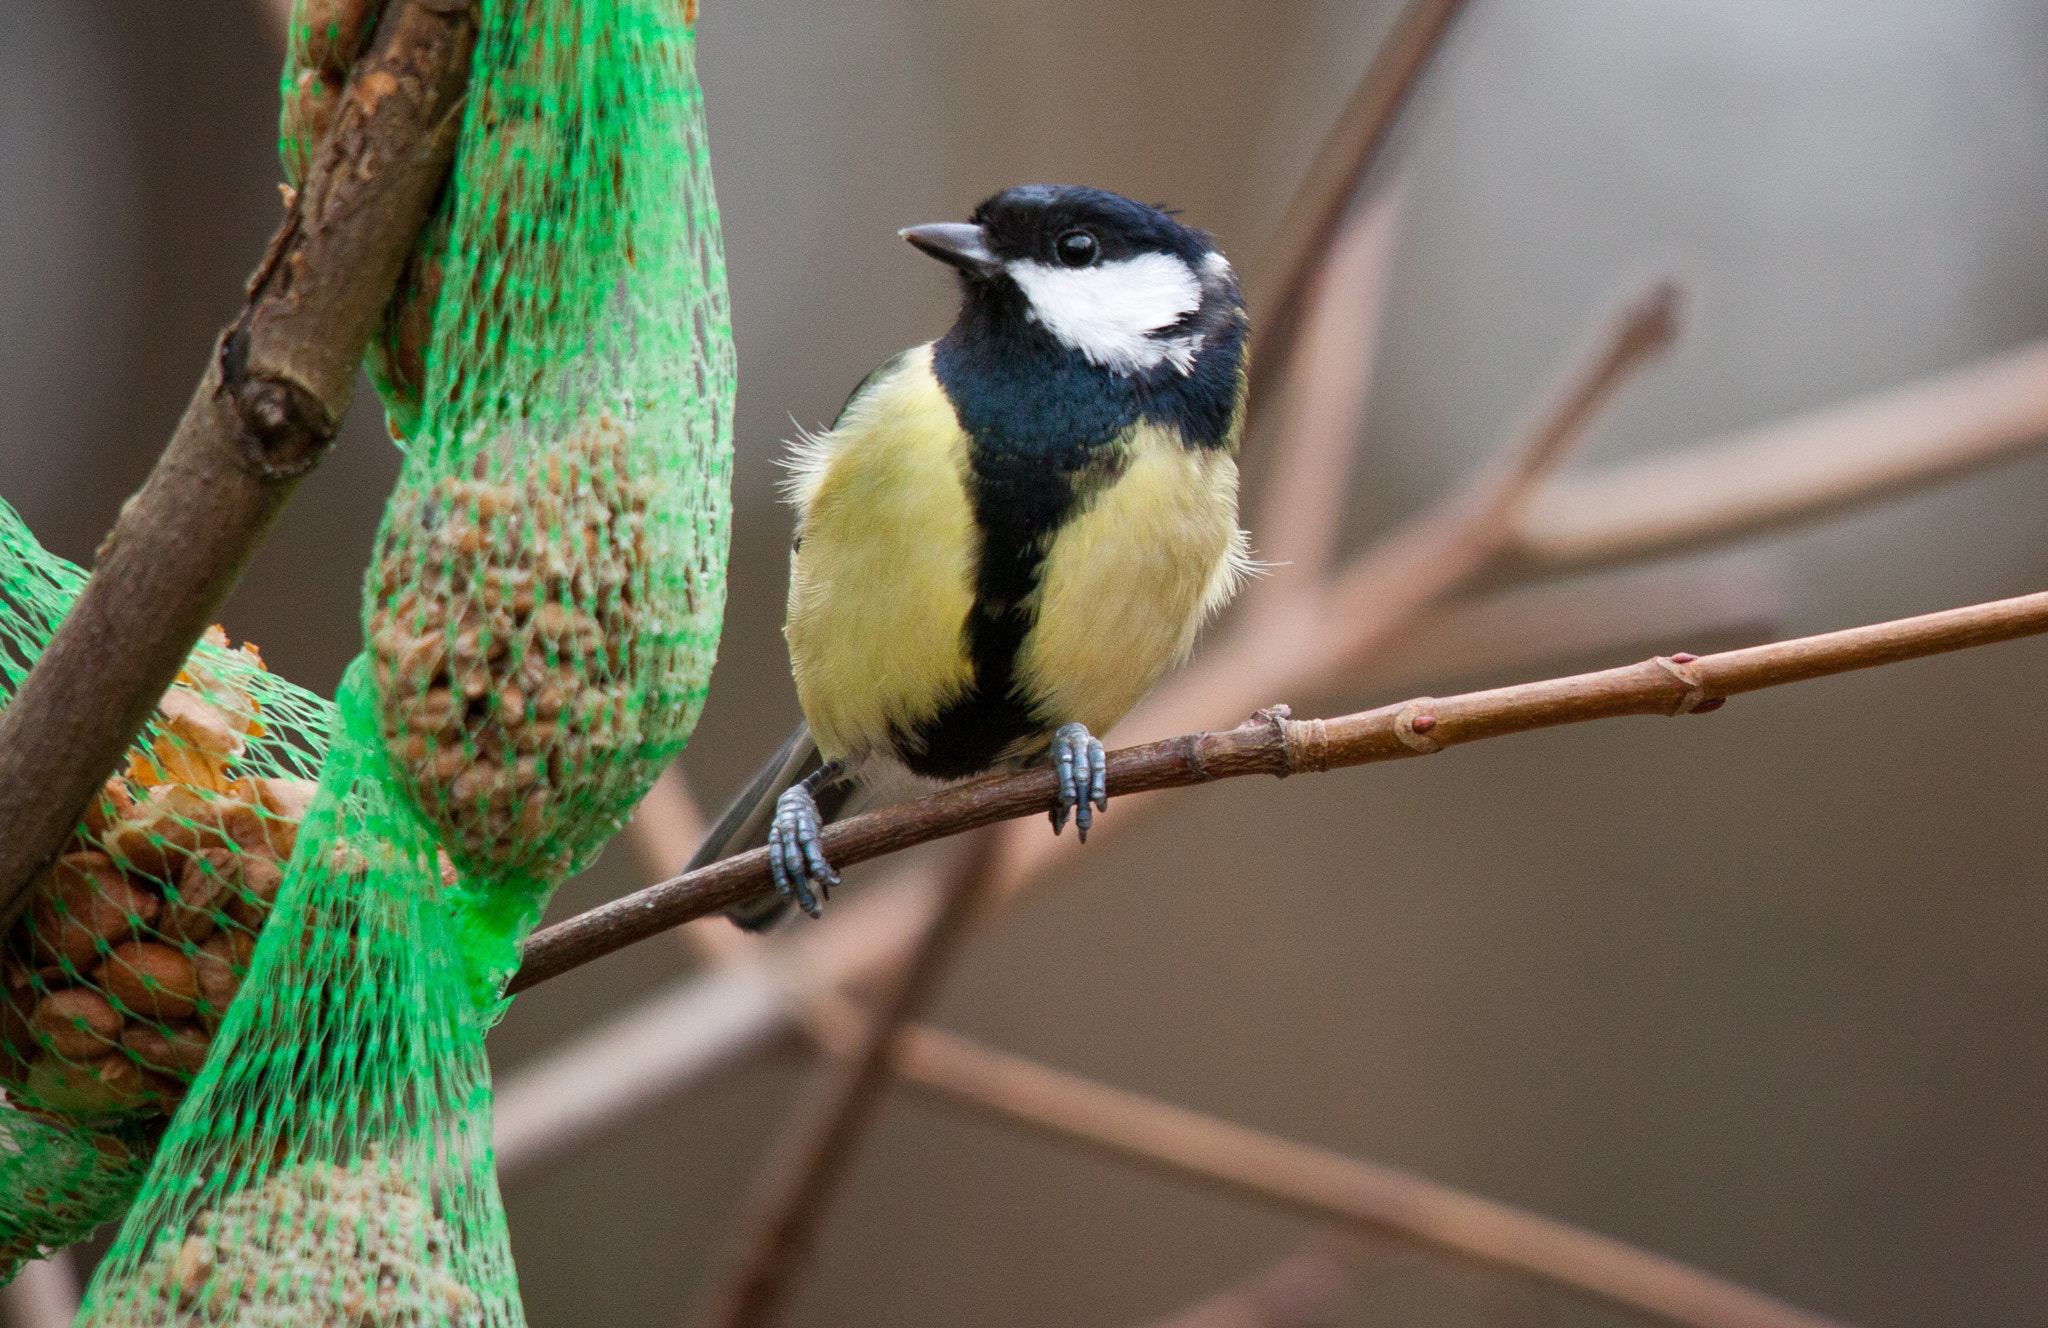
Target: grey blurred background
{"x":1763,"y":993}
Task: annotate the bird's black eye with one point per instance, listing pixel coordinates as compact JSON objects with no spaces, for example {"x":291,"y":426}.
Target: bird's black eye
{"x":1076,"y":248}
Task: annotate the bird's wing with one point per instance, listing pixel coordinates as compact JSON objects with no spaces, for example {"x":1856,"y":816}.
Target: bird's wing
{"x":882,"y":579}
{"x":875,"y":375}
{"x":811,"y":453}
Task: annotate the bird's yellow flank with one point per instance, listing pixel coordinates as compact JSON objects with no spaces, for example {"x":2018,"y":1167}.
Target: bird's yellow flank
{"x":883,"y":575}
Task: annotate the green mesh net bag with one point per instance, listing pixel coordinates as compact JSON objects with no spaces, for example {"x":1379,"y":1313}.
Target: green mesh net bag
{"x":544,"y":605}
{"x":115,"y":980}
{"x":542,"y":613}
{"x":331,"y":1164}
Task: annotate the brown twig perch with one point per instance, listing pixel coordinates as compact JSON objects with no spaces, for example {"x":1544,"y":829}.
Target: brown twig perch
{"x":1732,"y":598}
{"x":273,"y":394}
{"x":1928,"y":431}
{"x":1990,"y":411}
{"x":1272,"y":744}
{"x":805,"y":1164}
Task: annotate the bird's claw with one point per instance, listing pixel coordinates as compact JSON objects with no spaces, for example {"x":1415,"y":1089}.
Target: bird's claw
{"x":1083,"y":778}
{"x":795,"y":857}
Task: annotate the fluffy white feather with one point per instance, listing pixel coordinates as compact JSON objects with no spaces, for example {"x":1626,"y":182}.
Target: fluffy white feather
{"x":1111,"y":312}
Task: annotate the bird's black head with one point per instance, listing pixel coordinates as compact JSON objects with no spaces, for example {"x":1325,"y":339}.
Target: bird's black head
{"x":1119,"y":283}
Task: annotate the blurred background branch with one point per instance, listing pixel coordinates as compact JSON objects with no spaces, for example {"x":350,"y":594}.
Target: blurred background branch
{"x":1391,"y":1207}
{"x":1328,"y":1186}
{"x":806,"y":1164}
{"x":1305,"y":1288}
{"x":1303,"y":249}
{"x":1808,"y":467}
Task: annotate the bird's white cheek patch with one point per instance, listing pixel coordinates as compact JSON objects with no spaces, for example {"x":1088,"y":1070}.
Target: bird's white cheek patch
{"x":1110,"y":312}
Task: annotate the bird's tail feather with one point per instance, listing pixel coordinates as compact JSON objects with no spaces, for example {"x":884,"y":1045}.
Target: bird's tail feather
{"x":744,"y":824}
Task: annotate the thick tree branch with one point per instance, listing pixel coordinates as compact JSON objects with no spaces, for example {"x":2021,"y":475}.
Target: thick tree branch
{"x":273,"y":394}
{"x":1272,"y":744}
{"x":1331,"y":1186}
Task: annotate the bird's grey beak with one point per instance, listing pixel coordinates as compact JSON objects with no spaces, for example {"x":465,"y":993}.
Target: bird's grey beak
{"x":960,"y":243}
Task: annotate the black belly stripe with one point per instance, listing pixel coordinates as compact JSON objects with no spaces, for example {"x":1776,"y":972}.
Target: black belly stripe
{"x":973,"y":733}
{"x":1020,"y":503}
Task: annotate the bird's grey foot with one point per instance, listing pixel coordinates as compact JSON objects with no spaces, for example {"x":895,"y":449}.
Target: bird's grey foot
{"x":795,"y":857}
{"x":1083,"y":778}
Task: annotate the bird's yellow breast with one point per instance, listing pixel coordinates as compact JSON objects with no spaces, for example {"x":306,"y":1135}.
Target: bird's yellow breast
{"x":1129,"y":579}
{"x":883,"y":574}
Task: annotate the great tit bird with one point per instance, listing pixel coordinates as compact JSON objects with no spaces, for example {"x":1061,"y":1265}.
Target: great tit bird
{"x":1012,"y":532}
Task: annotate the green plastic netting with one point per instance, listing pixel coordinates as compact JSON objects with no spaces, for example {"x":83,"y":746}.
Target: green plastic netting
{"x":114,"y":982}
{"x":542,"y":614}
{"x":545,"y":602}
{"x":332,"y":1163}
